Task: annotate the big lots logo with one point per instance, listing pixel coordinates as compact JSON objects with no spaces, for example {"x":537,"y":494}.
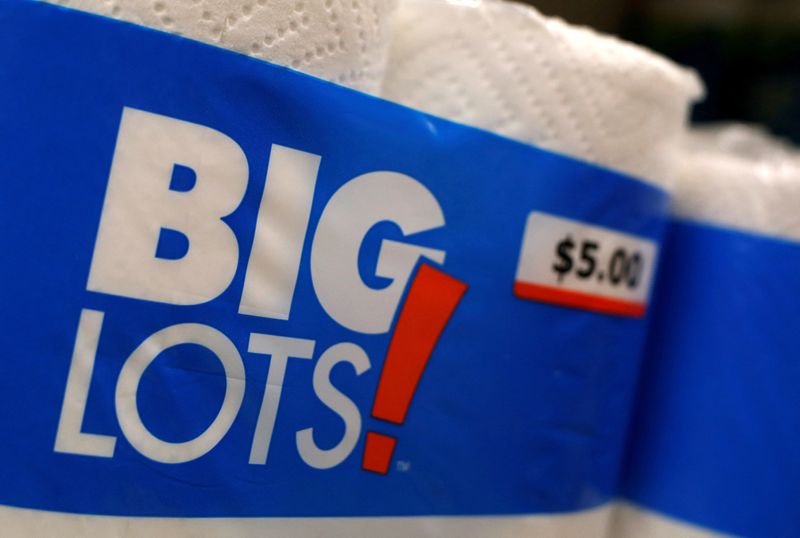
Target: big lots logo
{"x":144,"y":198}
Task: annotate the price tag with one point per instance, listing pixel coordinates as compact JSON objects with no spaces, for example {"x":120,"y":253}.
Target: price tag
{"x":571,"y":263}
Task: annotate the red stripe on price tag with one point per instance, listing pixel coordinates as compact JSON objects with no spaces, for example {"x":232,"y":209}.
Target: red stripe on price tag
{"x":585,"y":301}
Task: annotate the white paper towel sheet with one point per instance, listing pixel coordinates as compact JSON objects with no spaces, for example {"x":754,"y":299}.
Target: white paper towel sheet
{"x":631,"y":521}
{"x":506,"y":68}
{"x":739,"y":176}
{"x":343,"y":41}
{"x":20,"y":522}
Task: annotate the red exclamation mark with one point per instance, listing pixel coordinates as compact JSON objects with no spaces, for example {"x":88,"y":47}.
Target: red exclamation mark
{"x":431,"y":301}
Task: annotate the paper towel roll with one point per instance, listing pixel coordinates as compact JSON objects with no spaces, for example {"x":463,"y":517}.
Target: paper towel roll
{"x":716,"y":349}
{"x":630,"y":521}
{"x":21,"y":522}
{"x":344,"y":41}
{"x":506,"y":68}
{"x":739,"y":176}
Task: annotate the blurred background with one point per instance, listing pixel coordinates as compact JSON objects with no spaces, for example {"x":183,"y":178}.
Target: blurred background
{"x":747,"y":51}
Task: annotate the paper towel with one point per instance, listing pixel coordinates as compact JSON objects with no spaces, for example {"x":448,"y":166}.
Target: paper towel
{"x":506,"y":68}
{"x":739,"y":176}
{"x":19,"y":522}
{"x":343,"y":41}
{"x":630,"y":521}
{"x":735,"y":176}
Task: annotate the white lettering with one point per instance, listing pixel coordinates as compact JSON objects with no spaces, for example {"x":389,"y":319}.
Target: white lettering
{"x":139,"y":203}
{"x":351,"y":212}
{"x":128,"y":384}
{"x":280,"y":348}
{"x":339,"y":403}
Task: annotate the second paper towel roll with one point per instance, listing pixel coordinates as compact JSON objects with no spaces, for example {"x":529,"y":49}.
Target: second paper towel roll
{"x":717,"y":398}
{"x":738,"y":175}
{"x":506,"y":68}
{"x":343,"y":41}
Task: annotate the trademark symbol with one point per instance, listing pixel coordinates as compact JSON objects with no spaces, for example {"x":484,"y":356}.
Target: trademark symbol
{"x":403,"y":466}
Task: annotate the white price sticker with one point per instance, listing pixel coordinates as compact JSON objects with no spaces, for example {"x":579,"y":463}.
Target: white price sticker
{"x":571,"y":263}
